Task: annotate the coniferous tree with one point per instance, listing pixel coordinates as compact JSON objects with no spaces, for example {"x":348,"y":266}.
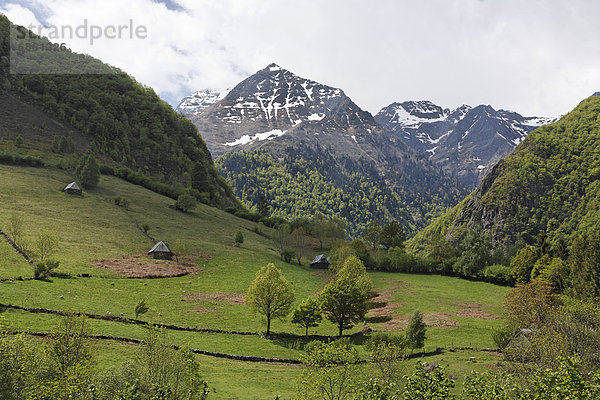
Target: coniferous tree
{"x":415,"y":333}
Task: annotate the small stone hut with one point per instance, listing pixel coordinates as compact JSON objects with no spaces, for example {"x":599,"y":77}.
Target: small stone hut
{"x":320,"y":261}
{"x":72,"y":188}
{"x":160,"y":251}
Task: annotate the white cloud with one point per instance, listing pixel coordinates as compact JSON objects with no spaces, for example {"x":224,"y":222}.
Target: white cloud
{"x":536,"y":57}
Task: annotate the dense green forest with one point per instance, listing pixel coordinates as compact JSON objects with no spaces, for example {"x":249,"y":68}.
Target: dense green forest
{"x":127,"y":124}
{"x":305,"y":181}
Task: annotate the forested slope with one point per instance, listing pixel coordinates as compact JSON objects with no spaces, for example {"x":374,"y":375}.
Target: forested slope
{"x":125,"y":123}
{"x":550,"y":184}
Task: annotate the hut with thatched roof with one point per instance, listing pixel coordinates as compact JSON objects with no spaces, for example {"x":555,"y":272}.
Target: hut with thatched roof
{"x":72,"y":188}
{"x":160,"y":251}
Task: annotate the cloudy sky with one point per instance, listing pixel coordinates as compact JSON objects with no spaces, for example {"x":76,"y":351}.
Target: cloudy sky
{"x":537,"y":57}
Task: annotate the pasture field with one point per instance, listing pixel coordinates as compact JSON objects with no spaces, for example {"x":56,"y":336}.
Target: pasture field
{"x":95,"y":234}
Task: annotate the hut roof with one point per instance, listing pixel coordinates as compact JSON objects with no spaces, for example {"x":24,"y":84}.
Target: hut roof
{"x":72,"y":185}
{"x":161,"y":247}
{"x":320,"y":259}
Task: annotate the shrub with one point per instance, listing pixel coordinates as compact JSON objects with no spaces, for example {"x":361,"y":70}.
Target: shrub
{"x":125,"y":203}
{"x":141,"y":308}
{"x":18,"y":141}
{"x":502,"y":336}
{"x":185,"y":202}
{"x":288,"y":255}
{"x":43,"y":269}
{"x":239,"y":237}
{"x":378,"y":338}
{"x":499,"y":274}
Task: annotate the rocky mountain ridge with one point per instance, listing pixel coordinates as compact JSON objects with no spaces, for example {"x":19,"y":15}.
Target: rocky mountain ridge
{"x":466,"y":142}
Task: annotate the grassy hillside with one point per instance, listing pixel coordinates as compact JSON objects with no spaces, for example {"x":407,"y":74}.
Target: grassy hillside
{"x":460,"y":313}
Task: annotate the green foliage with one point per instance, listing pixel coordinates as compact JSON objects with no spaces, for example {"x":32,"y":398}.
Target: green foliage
{"x":344,"y":302}
{"x":165,"y":373}
{"x":43,"y":269}
{"x":63,"y":145}
{"x":392,"y":235}
{"x":585,"y":267}
{"x":186,"y":202}
{"x":330,"y":371}
{"x":239,"y":237}
{"x":19,"y":141}
{"x":288,"y":255}
{"x":263,"y":207}
{"x":498,"y":274}
{"x":15,"y":230}
{"x":503,"y":335}
{"x":415,"y":333}
{"x":300,"y":243}
{"x":489,"y":386}
{"x":141,"y":308}
{"x":386,"y":351}
{"x":89,"y":172}
{"x":374,"y":389}
{"x":566,"y":382}
{"x":20,"y":365}
{"x":354,"y":270}
{"x":270,"y":294}
{"x":426,"y":385}
{"x":476,"y":253}
{"x":372,"y":233}
{"x":522,"y":264}
{"x":307,"y":314}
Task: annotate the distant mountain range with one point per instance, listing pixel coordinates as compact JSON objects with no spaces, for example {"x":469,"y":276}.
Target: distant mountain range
{"x":467,"y":141}
{"x":308,"y":147}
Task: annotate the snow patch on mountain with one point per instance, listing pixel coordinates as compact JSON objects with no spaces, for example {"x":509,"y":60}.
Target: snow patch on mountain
{"x":246,"y":139}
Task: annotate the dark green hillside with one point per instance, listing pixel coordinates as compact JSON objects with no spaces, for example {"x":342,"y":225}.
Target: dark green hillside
{"x":307,"y":180}
{"x":550,"y":183}
{"x":122,"y":122}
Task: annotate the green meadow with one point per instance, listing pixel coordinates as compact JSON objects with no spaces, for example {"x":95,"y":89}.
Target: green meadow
{"x":459,"y":313}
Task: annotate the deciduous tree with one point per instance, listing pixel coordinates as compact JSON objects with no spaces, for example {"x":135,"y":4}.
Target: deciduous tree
{"x":307,"y":314}
{"x":270,"y":294}
{"x":344,"y":303}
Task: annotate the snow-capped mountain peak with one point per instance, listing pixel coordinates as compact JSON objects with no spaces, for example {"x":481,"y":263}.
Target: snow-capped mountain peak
{"x":274,"y":103}
{"x":200,"y":100}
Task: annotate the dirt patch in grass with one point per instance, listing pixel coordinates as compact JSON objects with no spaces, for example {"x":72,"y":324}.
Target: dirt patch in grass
{"x":474,"y":310}
{"x":140,"y":266}
{"x":233,"y":298}
{"x":440,"y":320}
{"x":432,"y":320}
{"x":397,"y":323}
